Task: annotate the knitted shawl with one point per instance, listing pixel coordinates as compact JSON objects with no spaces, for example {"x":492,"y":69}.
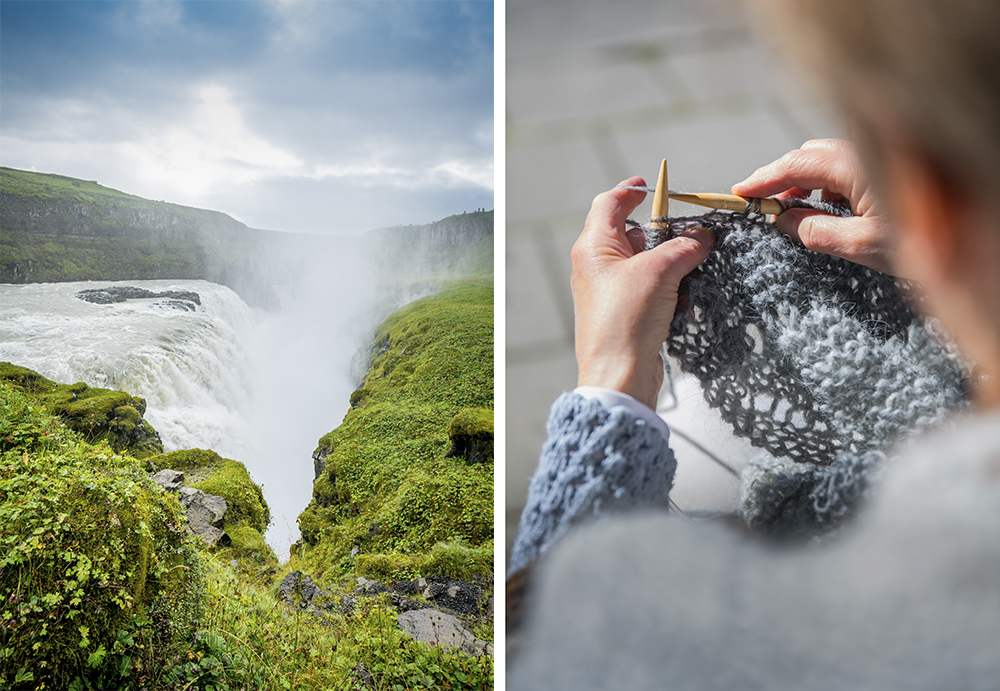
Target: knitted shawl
{"x":820,"y":363}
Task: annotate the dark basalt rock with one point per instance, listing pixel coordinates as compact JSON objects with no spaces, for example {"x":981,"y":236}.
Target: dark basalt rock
{"x":113,"y":294}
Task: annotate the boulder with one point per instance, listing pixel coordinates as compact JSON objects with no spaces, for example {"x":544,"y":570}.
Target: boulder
{"x":203,"y":510}
{"x":438,"y":628}
{"x":457,"y":595}
{"x":170,"y":480}
{"x":298,"y":589}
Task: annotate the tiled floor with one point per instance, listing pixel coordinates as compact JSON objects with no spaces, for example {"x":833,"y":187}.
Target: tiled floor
{"x":597,"y":92}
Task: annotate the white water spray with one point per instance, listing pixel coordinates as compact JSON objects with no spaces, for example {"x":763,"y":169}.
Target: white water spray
{"x":257,"y":387}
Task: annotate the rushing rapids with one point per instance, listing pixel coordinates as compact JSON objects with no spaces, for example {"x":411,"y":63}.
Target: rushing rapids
{"x":257,"y":387}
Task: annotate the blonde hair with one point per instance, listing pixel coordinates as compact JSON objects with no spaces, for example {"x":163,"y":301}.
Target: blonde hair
{"x":927,"y":71}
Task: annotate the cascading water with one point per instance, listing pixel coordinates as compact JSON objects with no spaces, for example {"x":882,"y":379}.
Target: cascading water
{"x":257,"y":387}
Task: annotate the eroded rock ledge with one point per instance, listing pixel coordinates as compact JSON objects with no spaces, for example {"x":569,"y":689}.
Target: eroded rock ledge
{"x":205,"y":512}
{"x":422,"y":620}
{"x":182,"y":299}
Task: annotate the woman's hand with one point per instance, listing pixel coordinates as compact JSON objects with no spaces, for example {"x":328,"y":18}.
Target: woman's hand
{"x":830,"y":165}
{"x":625,"y":297}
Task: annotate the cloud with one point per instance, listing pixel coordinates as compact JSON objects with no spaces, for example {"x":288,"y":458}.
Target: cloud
{"x":247,"y":104}
{"x":213,"y":149}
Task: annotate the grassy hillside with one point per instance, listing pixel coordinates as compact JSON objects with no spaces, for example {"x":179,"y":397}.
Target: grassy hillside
{"x":390,"y":493}
{"x":56,"y":228}
{"x":101,"y":587}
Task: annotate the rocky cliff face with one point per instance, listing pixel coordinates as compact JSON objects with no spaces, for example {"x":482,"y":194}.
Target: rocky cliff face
{"x":62,"y":229}
{"x":448,"y":232}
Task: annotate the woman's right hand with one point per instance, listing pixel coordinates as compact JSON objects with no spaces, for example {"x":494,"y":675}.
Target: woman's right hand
{"x":833,"y":166}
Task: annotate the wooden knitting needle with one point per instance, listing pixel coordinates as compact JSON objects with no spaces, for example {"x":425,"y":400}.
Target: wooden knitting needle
{"x":661,"y":198}
{"x":729,"y":202}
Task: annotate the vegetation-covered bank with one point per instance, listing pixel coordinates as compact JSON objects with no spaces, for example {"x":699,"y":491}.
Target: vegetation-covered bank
{"x":57,"y":228}
{"x":102,"y":587}
{"x":405,"y":485}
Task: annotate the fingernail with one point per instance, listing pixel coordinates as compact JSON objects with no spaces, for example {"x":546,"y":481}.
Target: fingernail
{"x":750,"y":178}
{"x":787,"y":224}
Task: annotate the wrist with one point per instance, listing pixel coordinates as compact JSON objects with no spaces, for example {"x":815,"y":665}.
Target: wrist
{"x":621,"y":374}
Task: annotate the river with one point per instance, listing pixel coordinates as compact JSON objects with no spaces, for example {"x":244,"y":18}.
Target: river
{"x":259,"y":387}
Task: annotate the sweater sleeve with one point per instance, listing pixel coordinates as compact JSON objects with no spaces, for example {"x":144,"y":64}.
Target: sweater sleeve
{"x":595,"y":461}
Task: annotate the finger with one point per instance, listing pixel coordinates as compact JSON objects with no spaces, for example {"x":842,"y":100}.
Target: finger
{"x":637,"y":239}
{"x":604,"y":230}
{"x":676,"y":258}
{"x":828,"y":144}
{"x":609,"y":209}
{"x":836,"y":170}
{"x":857,"y":239}
{"x":795,"y":193}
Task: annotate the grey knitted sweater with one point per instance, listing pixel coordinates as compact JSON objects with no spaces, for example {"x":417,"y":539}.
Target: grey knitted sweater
{"x":908,"y":597}
{"x":821,"y":365}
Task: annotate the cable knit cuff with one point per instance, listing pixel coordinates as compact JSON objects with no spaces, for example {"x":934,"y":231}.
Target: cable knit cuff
{"x":595,"y":461}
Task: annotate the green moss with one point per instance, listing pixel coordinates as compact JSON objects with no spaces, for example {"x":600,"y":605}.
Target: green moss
{"x":92,"y":550}
{"x":213,"y":474}
{"x":472,"y":422}
{"x":98,"y":414}
{"x":457,"y":560}
{"x":247,"y":513}
{"x":389,"y":487}
{"x":453,"y":559}
{"x":388,"y":567}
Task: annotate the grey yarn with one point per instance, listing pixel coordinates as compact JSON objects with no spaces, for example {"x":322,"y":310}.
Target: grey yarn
{"x":595,"y":461}
{"x":816,"y":360}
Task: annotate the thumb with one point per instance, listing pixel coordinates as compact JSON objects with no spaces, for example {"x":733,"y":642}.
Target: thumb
{"x":858,"y":239}
{"x":679,"y":256}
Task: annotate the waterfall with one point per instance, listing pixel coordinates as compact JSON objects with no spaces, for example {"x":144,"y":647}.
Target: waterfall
{"x":257,"y":387}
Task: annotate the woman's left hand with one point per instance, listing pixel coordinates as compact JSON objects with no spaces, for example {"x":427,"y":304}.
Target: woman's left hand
{"x":625,"y":297}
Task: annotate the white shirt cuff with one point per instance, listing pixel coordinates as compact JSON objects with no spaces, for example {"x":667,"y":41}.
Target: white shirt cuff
{"x":610,"y":398}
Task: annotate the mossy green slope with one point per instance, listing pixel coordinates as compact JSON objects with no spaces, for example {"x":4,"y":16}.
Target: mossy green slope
{"x":97,"y":414}
{"x":389,"y":488}
{"x":94,"y":555}
{"x":58,"y":228}
{"x":247,"y":514}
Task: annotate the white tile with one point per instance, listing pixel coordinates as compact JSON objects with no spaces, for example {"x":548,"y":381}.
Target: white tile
{"x":562,"y":91}
{"x":546,"y":180}
{"x":532,"y":311}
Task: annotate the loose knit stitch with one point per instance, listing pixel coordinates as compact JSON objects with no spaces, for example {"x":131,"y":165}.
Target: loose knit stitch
{"x":595,"y":461}
{"x":818,"y":361}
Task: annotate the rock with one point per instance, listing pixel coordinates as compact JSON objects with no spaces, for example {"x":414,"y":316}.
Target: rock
{"x":319,"y":462}
{"x":113,"y":294}
{"x":355,"y":550}
{"x":347,"y":603}
{"x":213,"y":536}
{"x":170,"y":480}
{"x":309,"y":590}
{"x":289,"y":587}
{"x":298,"y":589}
{"x":405,"y":587}
{"x":406,"y":604}
{"x":362,"y":674}
{"x":456,"y":595}
{"x":438,"y":628}
{"x":370,"y":588}
{"x":203,"y":510}
{"x":178,"y":305}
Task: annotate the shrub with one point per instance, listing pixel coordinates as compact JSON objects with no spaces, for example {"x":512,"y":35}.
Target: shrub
{"x":93,"y":553}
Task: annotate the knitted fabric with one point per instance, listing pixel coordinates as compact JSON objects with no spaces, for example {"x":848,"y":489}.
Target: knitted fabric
{"x":816,"y":360}
{"x":595,"y":461}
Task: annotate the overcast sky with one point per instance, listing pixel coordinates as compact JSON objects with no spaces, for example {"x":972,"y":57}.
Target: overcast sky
{"x":312,"y":115}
